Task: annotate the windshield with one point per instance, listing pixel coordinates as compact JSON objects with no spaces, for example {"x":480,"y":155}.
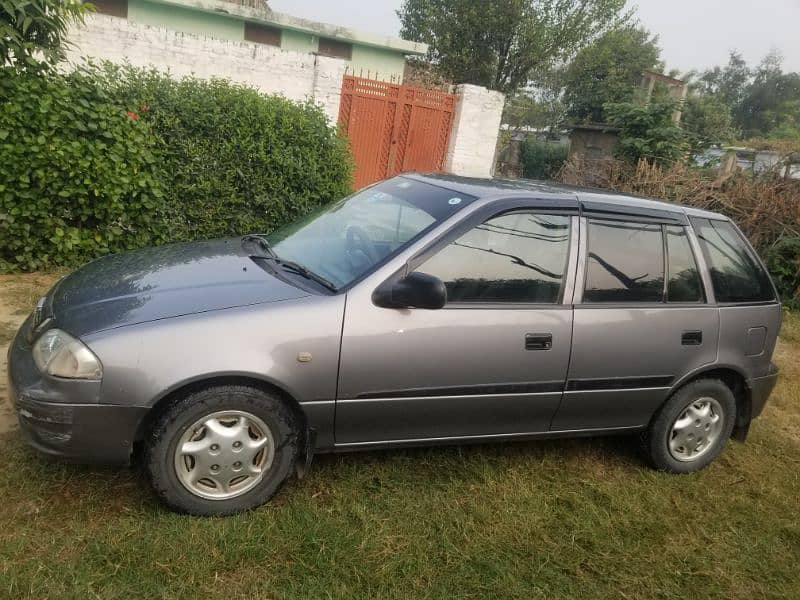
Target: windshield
{"x":345,"y":240}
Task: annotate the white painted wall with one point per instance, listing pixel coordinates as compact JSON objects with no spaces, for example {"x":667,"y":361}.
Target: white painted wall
{"x":476,"y":126}
{"x":297,"y":75}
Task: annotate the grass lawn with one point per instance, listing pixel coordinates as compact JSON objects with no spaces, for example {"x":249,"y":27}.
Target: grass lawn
{"x":550,"y":519}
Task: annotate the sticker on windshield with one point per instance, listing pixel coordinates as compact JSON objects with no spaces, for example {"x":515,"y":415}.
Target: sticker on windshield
{"x":454,"y":201}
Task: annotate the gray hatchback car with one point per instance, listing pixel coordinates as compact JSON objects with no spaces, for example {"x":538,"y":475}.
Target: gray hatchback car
{"x":421,"y":310}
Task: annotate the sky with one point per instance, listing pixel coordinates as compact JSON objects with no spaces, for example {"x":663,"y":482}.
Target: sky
{"x":694,"y":34}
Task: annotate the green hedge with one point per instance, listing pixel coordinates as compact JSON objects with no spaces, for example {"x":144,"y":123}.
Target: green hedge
{"x":109,"y":158}
{"x":237,"y":161}
{"x":78,"y":177}
{"x":542,"y":160}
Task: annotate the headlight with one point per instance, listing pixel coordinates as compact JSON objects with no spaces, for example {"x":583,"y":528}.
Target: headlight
{"x":58,"y":353}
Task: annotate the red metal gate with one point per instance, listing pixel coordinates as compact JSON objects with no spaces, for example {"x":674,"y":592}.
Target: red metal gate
{"x":394,"y":128}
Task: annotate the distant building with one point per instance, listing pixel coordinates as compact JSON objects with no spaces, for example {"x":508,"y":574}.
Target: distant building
{"x":676,"y":88}
{"x":374,"y":56}
{"x":598,"y":141}
{"x":593,"y":142}
{"x":749,"y":160}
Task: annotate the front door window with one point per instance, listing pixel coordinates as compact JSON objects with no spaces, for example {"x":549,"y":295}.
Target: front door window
{"x":518,"y":257}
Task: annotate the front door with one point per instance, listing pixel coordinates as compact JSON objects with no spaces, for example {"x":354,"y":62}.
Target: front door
{"x":493,"y":361}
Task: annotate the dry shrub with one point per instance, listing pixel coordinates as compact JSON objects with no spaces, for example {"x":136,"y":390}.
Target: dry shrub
{"x":422,"y":74}
{"x":765,"y":207}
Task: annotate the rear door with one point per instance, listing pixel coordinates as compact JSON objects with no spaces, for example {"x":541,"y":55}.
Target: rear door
{"x":493,"y":361}
{"x":641,"y":318}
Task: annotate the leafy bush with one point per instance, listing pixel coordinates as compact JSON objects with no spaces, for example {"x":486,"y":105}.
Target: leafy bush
{"x":108,"y":158}
{"x":648,"y":133}
{"x":236,"y":161}
{"x":783,"y":262}
{"x":542,"y":160}
{"x":79,"y":177}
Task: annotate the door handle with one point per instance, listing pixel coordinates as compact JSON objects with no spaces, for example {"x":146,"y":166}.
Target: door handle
{"x":692,"y":338}
{"x":538,"y":341}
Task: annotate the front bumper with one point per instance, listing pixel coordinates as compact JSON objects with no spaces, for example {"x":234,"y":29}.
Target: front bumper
{"x":87,"y":433}
{"x":64,"y":417}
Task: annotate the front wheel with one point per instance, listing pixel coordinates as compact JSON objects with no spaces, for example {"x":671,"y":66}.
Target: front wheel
{"x":692,"y":427}
{"x":221,"y":450}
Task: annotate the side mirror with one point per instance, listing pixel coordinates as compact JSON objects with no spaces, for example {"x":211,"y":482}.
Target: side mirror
{"x":416,"y":290}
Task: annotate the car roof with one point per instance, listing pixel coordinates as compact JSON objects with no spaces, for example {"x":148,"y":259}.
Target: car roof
{"x":507,"y":188}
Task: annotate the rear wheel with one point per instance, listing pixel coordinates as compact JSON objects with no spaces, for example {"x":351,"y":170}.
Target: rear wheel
{"x":221,"y":450}
{"x":692,"y":427}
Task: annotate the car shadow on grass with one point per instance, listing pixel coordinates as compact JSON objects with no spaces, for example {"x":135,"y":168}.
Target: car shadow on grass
{"x":473,"y":463}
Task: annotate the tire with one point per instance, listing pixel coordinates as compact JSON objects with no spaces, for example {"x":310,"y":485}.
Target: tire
{"x":684,"y":437}
{"x":219,"y":428}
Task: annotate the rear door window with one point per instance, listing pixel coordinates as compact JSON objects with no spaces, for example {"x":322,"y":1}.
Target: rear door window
{"x":625,"y":262}
{"x":736,"y":273}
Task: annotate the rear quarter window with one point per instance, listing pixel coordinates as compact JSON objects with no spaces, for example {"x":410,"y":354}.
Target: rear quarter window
{"x":736,"y":273}
{"x":683,"y":278}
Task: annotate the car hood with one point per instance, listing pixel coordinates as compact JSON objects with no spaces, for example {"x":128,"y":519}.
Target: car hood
{"x":157,"y":283}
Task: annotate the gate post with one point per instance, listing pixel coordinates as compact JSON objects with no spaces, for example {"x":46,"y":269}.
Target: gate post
{"x":326,"y":88}
{"x":476,"y":126}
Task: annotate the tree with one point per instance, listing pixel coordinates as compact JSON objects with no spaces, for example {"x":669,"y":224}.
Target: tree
{"x":707,"y":120}
{"x":541,"y":107}
{"x":648,"y":133}
{"x":771,"y":103}
{"x":728,"y":83}
{"x":607,"y":71}
{"x":33,"y":32}
{"x":502,"y":44}
{"x":763,"y":101}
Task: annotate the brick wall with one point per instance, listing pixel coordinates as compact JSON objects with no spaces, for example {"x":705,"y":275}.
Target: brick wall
{"x":297,"y":75}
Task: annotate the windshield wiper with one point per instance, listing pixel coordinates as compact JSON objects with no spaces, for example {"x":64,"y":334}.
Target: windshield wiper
{"x":304,"y":272}
{"x":263,"y":242}
{"x":294,"y":267}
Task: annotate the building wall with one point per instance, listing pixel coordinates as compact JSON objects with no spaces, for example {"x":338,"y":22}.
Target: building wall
{"x":476,"y":127}
{"x":388,"y":64}
{"x":186,"y":20}
{"x":299,"y":41}
{"x":377,"y":63}
{"x":592,"y":145}
{"x":298,"y":76}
